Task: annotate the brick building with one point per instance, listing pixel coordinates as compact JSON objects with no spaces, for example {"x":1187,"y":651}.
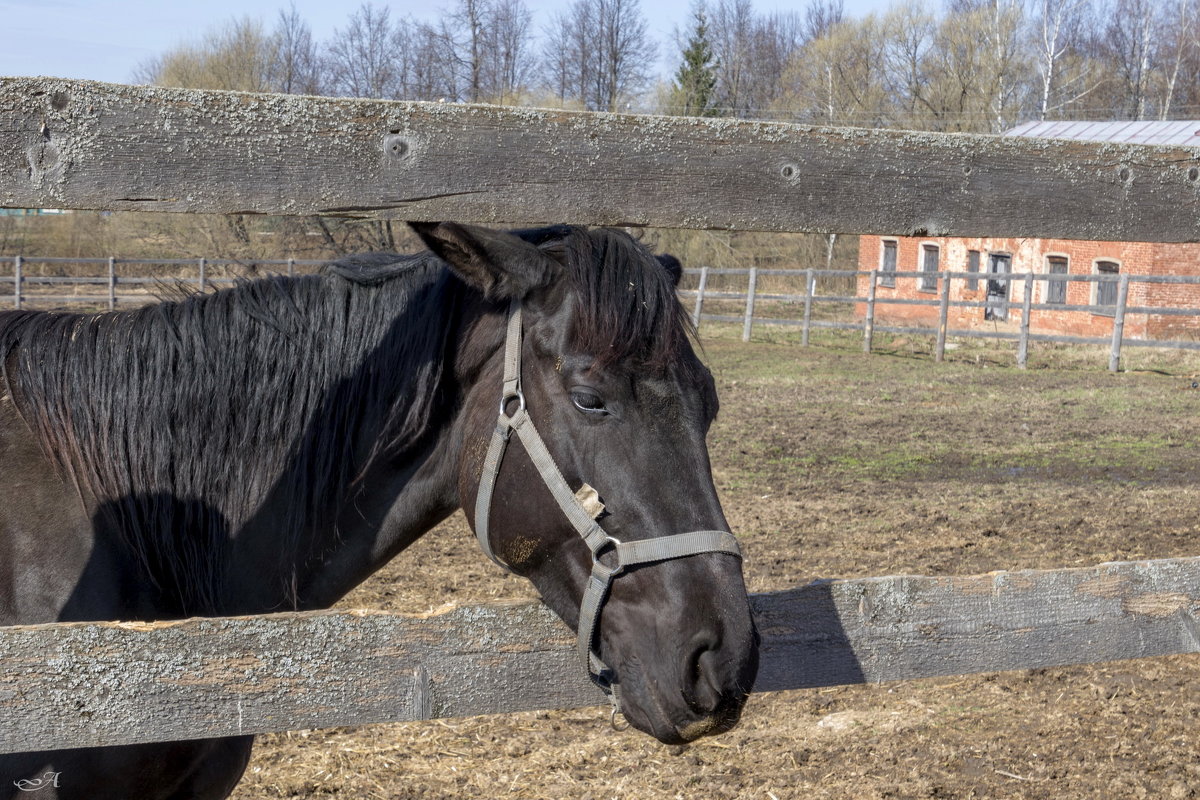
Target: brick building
{"x":995,"y":257}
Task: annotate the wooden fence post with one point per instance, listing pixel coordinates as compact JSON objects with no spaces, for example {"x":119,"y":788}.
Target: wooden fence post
{"x":943,"y":318}
{"x":203,"y":273}
{"x":869,"y":320}
{"x":750,"y":290}
{"x":112,"y":283}
{"x":291,"y":267}
{"x":17,"y":270}
{"x":1114,"y":356}
{"x":1026,"y":310}
{"x":700,"y":298}
{"x":810,"y":287}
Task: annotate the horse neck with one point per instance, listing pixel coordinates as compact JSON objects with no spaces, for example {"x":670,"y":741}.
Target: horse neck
{"x":402,"y":497}
{"x":394,"y":478}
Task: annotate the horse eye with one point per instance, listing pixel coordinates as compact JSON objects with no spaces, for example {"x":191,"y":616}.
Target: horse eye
{"x":588,"y":403}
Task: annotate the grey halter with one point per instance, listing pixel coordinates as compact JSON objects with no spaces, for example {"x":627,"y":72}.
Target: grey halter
{"x":626,"y":554}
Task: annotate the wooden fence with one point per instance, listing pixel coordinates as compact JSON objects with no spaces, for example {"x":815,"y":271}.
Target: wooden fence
{"x":70,"y":144}
{"x":105,"y":290}
{"x":943,"y":279}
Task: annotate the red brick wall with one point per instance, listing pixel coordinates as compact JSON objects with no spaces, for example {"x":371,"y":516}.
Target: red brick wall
{"x":1029,"y":255}
{"x":1173,"y":259}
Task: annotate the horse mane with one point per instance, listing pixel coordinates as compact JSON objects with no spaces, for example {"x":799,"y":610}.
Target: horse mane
{"x":310,"y":378}
{"x":628,"y":309}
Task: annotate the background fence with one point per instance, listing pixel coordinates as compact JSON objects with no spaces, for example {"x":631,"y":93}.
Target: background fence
{"x":812,"y":298}
{"x":71,"y":144}
{"x":833,"y":290}
{"x":100,"y":281}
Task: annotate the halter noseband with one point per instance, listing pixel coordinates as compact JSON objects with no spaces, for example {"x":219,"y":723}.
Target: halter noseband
{"x":626,"y":554}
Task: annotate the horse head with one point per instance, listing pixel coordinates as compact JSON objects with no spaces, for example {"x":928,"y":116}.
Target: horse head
{"x":582,"y":346}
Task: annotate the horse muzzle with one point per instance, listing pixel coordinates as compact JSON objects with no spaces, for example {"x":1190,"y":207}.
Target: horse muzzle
{"x":684,"y":670}
{"x":695,"y":709}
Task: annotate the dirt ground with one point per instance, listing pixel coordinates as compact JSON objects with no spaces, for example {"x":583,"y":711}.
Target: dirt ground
{"x":831,"y":463}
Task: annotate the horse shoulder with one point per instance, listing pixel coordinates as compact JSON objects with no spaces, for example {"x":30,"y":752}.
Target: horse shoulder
{"x":45,"y":533}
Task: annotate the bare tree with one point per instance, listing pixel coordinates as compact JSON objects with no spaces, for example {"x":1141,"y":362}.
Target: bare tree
{"x":1177,"y":47}
{"x":297,"y":67}
{"x":432,"y":68}
{"x":365,"y":59}
{"x":1128,"y":48}
{"x":968,"y":71}
{"x":510,"y":45}
{"x":626,"y":52}
{"x":361,"y":57}
{"x":458,"y":42}
{"x":488,"y":43}
{"x":1186,"y":95}
{"x":1063,"y":69}
{"x":975,"y":65}
{"x":753,"y":52}
{"x":775,"y":38}
{"x":821,"y":16}
{"x":598,"y":53}
{"x":731,"y":23}
{"x":556,"y":72}
{"x":1007,"y":61}
{"x":240,"y":56}
{"x":906,"y":54}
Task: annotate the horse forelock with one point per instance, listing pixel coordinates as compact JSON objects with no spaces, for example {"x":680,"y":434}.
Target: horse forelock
{"x":179,"y":421}
{"x":627,"y":308}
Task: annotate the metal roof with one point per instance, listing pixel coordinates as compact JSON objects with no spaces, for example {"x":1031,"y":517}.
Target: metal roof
{"x":1176,"y":132}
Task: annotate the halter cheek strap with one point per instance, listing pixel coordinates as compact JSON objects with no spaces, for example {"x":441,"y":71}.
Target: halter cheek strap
{"x":621,"y":555}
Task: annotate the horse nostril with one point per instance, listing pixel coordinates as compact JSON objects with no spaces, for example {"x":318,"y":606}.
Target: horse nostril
{"x":704,"y":680}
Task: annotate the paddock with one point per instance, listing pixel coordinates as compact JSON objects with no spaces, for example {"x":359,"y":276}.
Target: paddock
{"x":851,"y":494}
{"x":80,"y":145}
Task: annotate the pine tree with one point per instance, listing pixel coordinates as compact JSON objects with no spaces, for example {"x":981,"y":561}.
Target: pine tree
{"x":692,"y":91}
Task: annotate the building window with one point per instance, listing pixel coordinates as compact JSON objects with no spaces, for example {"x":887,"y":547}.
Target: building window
{"x":996,"y":299}
{"x":1106,"y":291}
{"x":972,"y":266}
{"x":929,"y":264}
{"x":1056,"y":291}
{"x":887,"y":266}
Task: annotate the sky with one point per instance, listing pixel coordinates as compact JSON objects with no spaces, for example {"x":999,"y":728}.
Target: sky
{"x":106,"y":41}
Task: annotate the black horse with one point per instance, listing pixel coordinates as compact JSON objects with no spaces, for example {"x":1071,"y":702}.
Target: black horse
{"x":268,"y":447}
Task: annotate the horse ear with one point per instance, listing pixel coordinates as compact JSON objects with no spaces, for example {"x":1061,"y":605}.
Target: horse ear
{"x":498,"y":264}
{"x":672,"y":266}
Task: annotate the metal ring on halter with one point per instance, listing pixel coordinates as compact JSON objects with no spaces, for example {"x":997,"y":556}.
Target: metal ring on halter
{"x":610,"y":544}
{"x":519,"y":396}
{"x":612,"y":720}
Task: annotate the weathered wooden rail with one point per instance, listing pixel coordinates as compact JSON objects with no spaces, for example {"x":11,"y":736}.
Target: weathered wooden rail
{"x":75,"y":144}
{"x":110,"y":683}
{"x":71,"y":144}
